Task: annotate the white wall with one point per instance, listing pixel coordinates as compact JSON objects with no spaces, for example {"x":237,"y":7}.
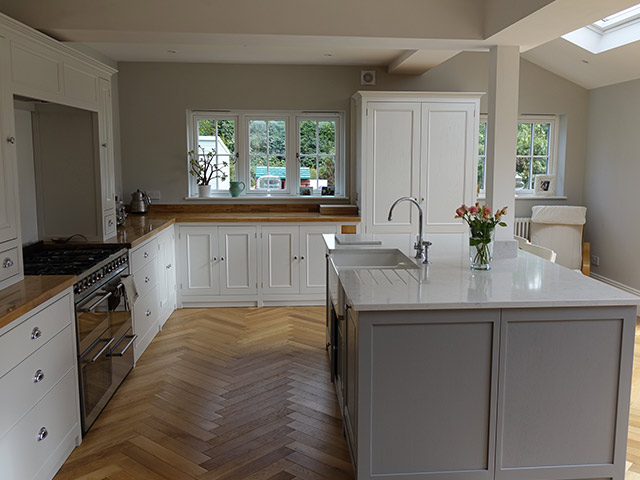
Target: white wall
{"x":154,"y":98}
{"x":26,"y":176}
{"x":611,"y":187}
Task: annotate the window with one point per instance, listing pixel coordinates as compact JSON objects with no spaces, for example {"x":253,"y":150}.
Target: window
{"x":535,"y":150}
{"x":317,"y":153}
{"x":216,"y":144}
{"x":273,"y":153}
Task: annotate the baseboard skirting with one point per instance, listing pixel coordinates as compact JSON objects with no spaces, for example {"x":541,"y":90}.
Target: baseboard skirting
{"x":619,"y":285}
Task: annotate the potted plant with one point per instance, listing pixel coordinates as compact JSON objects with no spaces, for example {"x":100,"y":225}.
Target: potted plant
{"x":203,"y":166}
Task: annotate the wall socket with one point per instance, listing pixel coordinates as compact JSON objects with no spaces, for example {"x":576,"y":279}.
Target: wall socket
{"x":154,"y":194}
{"x":595,"y":260}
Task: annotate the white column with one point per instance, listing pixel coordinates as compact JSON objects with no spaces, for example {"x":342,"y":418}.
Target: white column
{"x":504,"y":71}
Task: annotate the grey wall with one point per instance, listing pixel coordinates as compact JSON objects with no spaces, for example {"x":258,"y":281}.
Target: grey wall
{"x":611,"y":182}
{"x":154,"y":98}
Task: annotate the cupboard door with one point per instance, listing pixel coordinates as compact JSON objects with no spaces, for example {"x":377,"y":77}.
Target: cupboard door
{"x":199,"y":261}
{"x":105,"y":129}
{"x":238,"y":261}
{"x":449,"y":147}
{"x":8,"y":176}
{"x":392,"y":165}
{"x":166,"y":271}
{"x":280,"y":260}
{"x":312,"y":258}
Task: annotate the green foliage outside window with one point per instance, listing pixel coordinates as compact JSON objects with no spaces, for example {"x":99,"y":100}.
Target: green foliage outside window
{"x":532,"y":154}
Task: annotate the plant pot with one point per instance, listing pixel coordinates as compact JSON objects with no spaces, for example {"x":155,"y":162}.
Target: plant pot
{"x":204,"y":190}
{"x":481,"y":249}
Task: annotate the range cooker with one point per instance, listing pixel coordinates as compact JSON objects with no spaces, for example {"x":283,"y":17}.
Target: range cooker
{"x":103,"y":315}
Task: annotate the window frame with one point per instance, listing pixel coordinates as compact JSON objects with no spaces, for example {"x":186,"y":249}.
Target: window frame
{"x":339,"y":165}
{"x":292,"y":143}
{"x":192,"y":136}
{"x":552,"y":164}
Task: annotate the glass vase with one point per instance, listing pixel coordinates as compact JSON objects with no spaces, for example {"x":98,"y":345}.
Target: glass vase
{"x":481,"y":249}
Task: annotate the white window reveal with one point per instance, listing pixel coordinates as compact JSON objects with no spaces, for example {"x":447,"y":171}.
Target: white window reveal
{"x":275,"y":154}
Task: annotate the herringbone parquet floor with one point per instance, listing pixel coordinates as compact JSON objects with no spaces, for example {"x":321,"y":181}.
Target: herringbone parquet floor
{"x":228,"y":394}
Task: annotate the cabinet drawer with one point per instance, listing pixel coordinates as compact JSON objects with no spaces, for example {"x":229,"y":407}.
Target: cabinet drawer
{"x":144,"y":254}
{"x":146,"y":278}
{"x":109,"y":225}
{"x":9,"y":263}
{"x":34,"y":332}
{"x":47,"y":365}
{"x":145,"y":312}
{"x":22,"y":454}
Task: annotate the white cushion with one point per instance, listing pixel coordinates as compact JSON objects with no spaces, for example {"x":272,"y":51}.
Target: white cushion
{"x":555,"y":214}
{"x":560,"y":229}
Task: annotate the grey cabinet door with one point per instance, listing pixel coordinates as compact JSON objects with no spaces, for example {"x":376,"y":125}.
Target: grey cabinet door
{"x":427,"y":391}
{"x":565,"y":379}
{"x":351,"y":379}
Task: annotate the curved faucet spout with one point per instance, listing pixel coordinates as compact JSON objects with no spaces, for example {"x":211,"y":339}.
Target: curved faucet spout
{"x":406,"y":199}
{"x":420,"y":246}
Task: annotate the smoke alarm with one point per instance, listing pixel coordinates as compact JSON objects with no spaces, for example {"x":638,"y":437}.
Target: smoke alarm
{"x":367,"y":77}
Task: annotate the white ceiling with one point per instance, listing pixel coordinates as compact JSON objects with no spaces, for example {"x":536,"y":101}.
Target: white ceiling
{"x":585,"y":68}
{"x":406,"y":36}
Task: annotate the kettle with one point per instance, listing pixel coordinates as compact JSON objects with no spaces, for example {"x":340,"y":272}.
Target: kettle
{"x":139,"y":202}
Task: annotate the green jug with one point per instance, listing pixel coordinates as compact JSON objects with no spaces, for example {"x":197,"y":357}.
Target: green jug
{"x":236,"y":188}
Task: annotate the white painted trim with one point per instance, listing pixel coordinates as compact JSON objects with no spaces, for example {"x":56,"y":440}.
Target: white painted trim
{"x":619,"y":285}
{"x":32,"y":35}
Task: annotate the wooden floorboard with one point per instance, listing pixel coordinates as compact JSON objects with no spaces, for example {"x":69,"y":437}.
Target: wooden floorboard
{"x":223,"y":394}
{"x":235,"y":394}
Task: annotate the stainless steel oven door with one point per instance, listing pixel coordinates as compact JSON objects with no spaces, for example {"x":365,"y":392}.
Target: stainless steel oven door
{"x":96,"y":383}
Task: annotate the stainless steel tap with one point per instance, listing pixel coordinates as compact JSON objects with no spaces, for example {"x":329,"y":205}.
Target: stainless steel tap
{"x":421,"y":247}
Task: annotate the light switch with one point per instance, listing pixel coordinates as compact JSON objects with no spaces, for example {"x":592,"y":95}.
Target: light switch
{"x":154,"y":194}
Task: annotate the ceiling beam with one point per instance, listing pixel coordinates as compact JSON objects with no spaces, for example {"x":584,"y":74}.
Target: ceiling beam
{"x":417,"y":62}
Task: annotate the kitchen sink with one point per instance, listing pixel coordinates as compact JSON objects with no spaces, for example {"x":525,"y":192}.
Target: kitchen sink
{"x":373,"y":258}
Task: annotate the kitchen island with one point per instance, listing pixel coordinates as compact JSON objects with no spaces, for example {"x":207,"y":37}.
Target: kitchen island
{"x":520,"y":372}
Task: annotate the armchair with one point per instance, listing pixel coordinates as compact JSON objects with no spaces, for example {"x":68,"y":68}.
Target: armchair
{"x":561,"y":228}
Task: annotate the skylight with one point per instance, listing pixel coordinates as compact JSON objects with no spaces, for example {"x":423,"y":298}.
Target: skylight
{"x":610,"y":32}
{"x":627,"y":15}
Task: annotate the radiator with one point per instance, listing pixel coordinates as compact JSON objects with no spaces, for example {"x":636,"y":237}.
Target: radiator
{"x":521,"y":226}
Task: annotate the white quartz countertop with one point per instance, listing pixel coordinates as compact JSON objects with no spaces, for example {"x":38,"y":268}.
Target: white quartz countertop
{"x":449,"y":283}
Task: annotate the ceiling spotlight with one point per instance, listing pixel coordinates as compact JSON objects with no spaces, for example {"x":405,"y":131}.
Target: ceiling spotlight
{"x":585,"y":61}
{"x":328,"y":54}
{"x":171,"y":51}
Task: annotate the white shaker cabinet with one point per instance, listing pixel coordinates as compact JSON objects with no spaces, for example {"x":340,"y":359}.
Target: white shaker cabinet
{"x":415,"y":144}
{"x":199,"y":262}
{"x":39,"y":405}
{"x":166,"y":273}
{"x":280,"y":257}
{"x":293,"y":259}
{"x":251,"y":265}
{"x":218,"y":261}
{"x":10,"y":243}
{"x":237,"y":254}
{"x":105,"y":137}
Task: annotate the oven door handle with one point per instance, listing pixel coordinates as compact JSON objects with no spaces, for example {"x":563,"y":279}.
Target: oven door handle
{"x":97,"y":302}
{"x":102,"y":350}
{"x":132,"y":338}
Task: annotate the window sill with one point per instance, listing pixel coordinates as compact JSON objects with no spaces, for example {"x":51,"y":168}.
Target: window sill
{"x":273,"y":198}
{"x":532,"y":197}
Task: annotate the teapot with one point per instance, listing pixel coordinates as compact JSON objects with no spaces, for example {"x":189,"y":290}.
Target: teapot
{"x":139,"y":202}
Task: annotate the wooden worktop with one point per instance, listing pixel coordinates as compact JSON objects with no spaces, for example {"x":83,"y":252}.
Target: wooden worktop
{"x":26,"y":295}
{"x":139,"y":228}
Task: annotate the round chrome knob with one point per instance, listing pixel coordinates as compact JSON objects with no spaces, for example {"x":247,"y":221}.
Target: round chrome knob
{"x":148,"y":312}
{"x":38,"y":376}
{"x":11,"y":140}
{"x":42,"y":434}
{"x":36,"y":333}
